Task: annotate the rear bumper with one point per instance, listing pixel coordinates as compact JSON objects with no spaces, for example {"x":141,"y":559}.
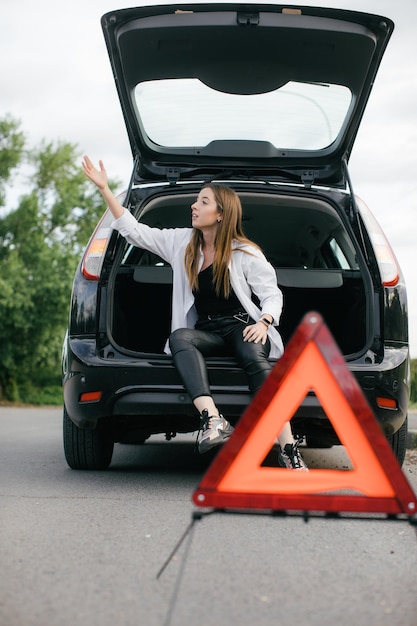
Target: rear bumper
{"x":150,"y":388}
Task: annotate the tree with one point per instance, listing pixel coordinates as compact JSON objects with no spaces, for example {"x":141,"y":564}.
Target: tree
{"x":12,"y":142}
{"x":40,"y":244}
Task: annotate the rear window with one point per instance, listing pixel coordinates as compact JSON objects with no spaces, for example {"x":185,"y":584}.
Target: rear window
{"x":186,"y":113}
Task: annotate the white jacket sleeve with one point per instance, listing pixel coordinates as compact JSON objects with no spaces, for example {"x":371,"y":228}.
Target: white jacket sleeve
{"x":262,"y":280}
{"x":165,"y":242}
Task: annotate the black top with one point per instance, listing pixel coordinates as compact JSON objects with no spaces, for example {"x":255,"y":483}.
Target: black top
{"x":207,"y":302}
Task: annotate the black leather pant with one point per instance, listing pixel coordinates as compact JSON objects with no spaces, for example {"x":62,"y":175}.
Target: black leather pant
{"x":221,"y":336}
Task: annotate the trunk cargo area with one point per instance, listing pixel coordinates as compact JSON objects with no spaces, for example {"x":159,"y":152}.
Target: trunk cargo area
{"x":304,"y":238}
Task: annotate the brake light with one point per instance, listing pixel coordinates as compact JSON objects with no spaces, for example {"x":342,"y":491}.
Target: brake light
{"x":387,"y":263}
{"x":96,"y":248}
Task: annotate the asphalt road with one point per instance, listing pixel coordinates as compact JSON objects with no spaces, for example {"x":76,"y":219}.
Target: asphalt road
{"x":84,"y":548}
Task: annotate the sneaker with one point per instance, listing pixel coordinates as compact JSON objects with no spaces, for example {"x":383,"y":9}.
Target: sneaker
{"x":291,"y":458}
{"x":214,"y":430}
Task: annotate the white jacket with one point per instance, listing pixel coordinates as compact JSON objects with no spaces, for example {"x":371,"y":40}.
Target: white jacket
{"x":249,"y":273}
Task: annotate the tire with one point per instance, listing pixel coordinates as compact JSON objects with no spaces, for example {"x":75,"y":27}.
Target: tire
{"x":86,"y":449}
{"x":398,"y":442}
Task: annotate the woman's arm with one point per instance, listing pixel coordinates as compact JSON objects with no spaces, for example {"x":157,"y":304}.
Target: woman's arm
{"x":165,"y":242}
{"x":262,"y":280}
{"x":99,"y":178}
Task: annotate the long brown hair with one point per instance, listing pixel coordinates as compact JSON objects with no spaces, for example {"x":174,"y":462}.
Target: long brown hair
{"x":229,"y":229}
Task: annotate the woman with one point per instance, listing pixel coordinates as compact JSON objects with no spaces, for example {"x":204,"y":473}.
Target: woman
{"x":216,"y":270}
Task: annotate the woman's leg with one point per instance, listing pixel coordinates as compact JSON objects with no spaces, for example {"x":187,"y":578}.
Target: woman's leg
{"x":188,"y":347}
{"x":206,"y":402}
{"x":253,"y":358}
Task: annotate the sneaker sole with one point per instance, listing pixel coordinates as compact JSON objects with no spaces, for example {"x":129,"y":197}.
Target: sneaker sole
{"x":206,"y":444}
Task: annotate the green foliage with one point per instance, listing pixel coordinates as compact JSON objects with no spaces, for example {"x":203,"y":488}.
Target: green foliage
{"x":48,"y":395}
{"x":40,"y":244}
{"x":12,"y":142}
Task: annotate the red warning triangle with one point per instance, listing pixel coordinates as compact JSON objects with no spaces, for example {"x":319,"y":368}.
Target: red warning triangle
{"x":312,"y":361}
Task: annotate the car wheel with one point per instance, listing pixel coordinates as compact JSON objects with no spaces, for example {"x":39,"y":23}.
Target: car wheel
{"x":398,"y":442}
{"x":86,"y":449}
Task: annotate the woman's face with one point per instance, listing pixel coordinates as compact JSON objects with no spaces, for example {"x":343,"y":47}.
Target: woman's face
{"x":204,"y":211}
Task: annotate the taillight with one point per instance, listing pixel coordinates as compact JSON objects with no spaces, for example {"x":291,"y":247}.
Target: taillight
{"x":96,"y":249}
{"x":387,"y":263}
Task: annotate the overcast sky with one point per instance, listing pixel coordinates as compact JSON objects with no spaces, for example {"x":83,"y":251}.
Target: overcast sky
{"x":55,"y":78}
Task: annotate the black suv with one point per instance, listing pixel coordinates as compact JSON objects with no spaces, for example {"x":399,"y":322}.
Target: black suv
{"x":268,"y":99}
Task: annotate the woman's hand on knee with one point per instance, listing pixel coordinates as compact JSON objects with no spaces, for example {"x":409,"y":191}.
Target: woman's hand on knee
{"x":256,"y":333}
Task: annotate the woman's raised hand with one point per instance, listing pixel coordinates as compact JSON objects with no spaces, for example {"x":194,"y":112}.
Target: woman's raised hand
{"x":98,"y":177}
